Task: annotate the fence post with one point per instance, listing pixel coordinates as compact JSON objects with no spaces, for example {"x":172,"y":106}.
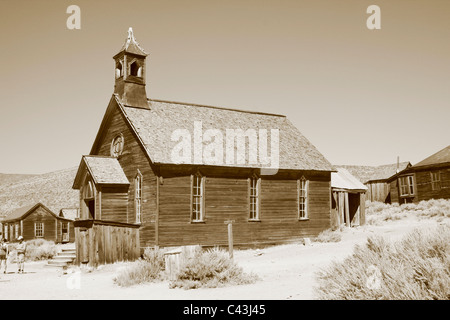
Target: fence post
{"x":230,"y":237}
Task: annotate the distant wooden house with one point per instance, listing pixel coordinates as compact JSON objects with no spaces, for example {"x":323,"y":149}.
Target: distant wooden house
{"x":348,"y":199}
{"x":375,"y":178}
{"x":135,"y":192}
{"x":37,"y":222}
{"x":378,"y":188}
{"x":428,"y":179}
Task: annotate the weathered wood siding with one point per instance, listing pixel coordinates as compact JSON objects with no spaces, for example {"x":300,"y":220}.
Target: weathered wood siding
{"x":424,"y":186}
{"x":40,"y":215}
{"x":114,"y":205}
{"x":378,"y":191}
{"x":99,"y":242}
{"x":26,"y":227}
{"x":228,"y":199}
{"x":133,"y":158}
{"x":394,"y":191}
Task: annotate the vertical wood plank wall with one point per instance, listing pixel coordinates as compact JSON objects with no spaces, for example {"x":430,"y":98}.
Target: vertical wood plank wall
{"x":377,"y":191}
{"x":101,"y":242}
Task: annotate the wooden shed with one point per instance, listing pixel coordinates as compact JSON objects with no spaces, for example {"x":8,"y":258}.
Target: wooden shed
{"x":427,"y":179}
{"x":375,"y":178}
{"x":37,"y":222}
{"x":145,"y":179}
{"x":347,"y":200}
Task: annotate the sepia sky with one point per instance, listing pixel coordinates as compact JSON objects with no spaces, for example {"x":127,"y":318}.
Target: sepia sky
{"x":360,"y":96}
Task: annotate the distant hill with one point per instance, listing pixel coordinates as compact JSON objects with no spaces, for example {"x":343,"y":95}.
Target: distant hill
{"x":6,"y":178}
{"x":53,"y":189}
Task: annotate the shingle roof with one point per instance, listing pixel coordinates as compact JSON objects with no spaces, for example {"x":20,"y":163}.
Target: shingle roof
{"x":156,"y":125}
{"x":440,"y":157}
{"x":20,"y":213}
{"x":131,"y":45}
{"x":372,"y":173}
{"x":104,"y":170}
{"x":343,"y":179}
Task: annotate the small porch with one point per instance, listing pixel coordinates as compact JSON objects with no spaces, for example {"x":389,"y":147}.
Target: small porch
{"x":348,"y":200}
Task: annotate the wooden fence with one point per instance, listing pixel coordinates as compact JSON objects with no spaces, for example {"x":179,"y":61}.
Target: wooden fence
{"x":100,"y":242}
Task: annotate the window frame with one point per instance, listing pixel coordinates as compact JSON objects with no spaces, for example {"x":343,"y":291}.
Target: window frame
{"x":302,"y":198}
{"x":254,"y":184}
{"x":40,"y":223}
{"x":138,"y":181}
{"x":435,"y":183}
{"x":197,"y":214}
{"x":408,"y":186}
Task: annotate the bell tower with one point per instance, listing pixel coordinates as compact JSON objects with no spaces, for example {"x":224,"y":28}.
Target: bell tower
{"x":130,"y":73}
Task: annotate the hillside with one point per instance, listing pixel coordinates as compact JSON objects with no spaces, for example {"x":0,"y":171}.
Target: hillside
{"x":53,"y":189}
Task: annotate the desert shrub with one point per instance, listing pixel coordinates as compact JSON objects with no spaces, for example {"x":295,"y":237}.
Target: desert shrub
{"x":37,"y":249}
{"x":149,"y":268}
{"x":377,"y":213}
{"x":211,"y":268}
{"x":416,"y":267}
{"x":329,"y":236}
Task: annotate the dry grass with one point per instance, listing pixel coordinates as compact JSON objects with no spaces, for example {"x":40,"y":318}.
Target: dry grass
{"x":378,"y":213}
{"x":417,"y":267}
{"x":38,"y":249}
{"x":148,"y":269}
{"x":329,"y":236}
{"x":212,"y":268}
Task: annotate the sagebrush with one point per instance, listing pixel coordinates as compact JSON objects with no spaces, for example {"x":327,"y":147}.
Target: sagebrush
{"x":149,"y":268}
{"x":212,"y":268}
{"x":37,"y":249}
{"x":415,"y":268}
{"x":378,"y":213}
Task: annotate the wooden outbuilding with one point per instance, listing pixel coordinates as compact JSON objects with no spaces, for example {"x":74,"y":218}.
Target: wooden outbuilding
{"x":378,"y":187}
{"x":375,"y":178}
{"x":157,"y":175}
{"x":348,"y":199}
{"x":428,"y":179}
{"x":37,"y":222}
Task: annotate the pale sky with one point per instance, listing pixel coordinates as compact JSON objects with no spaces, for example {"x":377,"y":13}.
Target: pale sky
{"x":360,"y":96}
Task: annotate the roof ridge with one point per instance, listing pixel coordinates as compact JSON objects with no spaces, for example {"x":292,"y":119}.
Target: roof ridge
{"x":98,"y":156}
{"x":216,"y":107}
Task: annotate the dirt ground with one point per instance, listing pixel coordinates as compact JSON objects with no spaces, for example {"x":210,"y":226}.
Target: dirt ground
{"x":285,"y":271}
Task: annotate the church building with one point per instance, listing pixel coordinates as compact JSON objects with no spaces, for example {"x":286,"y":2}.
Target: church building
{"x":163,"y":174}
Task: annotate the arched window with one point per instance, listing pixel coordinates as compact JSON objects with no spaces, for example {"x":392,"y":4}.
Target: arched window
{"x":302,"y":187}
{"x":138,"y":196}
{"x":89,"y":200}
{"x":88,"y":191}
{"x":119,"y":69}
{"x":134,"y":69}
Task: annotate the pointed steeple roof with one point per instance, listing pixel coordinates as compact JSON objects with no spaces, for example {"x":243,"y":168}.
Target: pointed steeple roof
{"x":132,"y":46}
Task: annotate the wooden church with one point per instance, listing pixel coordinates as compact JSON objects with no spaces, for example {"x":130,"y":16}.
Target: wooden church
{"x":136,"y":191}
